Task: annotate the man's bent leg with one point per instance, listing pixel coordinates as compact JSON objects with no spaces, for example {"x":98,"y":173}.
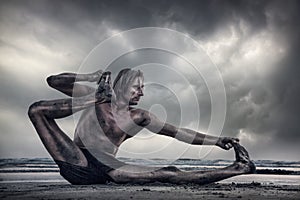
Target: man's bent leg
{"x":66,"y":83}
{"x":138,"y":174}
{"x":57,"y":143}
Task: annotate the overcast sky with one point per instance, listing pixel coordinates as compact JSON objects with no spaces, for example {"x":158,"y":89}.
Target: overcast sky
{"x":254,"y":44}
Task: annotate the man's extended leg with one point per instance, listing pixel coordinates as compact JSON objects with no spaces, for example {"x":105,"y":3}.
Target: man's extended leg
{"x":138,"y":174}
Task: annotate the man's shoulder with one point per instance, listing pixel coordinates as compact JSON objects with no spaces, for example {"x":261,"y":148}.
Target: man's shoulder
{"x":140,"y":113}
{"x":140,"y":116}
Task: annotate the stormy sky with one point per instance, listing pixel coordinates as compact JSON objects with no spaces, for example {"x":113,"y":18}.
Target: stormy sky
{"x":254,"y":44}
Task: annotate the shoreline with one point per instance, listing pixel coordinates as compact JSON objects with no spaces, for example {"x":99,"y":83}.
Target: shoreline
{"x":39,"y":178}
{"x":58,"y":190}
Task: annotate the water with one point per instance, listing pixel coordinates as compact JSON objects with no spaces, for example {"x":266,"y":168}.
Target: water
{"x":45,"y":170}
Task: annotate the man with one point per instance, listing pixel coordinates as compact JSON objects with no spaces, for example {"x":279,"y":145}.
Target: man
{"x":108,"y":119}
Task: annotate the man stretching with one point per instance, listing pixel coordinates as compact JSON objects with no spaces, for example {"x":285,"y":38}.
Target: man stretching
{"x":109,"y":118}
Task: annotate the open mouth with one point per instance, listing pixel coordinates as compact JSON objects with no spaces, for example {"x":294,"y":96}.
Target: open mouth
{"x":136,"y":99}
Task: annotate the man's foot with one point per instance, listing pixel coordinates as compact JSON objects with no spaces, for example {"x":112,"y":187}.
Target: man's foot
{"x":104,"y":91}
{"x":243,"y":161}
{"x":95,"y":77}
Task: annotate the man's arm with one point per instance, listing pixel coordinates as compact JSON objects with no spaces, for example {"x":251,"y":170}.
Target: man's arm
{"x":65,"y":83}
{"x":152,"y":123}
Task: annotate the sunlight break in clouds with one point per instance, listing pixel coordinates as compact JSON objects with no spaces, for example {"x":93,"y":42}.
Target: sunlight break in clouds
{"x":255,"y":45}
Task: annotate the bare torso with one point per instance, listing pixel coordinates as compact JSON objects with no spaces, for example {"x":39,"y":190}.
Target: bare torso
{"x":104,"y":128}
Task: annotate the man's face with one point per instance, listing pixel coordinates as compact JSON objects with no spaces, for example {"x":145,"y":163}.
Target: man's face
{"x":135,"y":91}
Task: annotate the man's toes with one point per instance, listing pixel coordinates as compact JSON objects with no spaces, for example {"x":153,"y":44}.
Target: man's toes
{"x":244,"y":152}
{"x":241,"y":153}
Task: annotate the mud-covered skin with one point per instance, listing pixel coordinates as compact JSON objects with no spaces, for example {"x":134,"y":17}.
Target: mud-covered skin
{"x":243,"y":159}
{"x":108,"y":120}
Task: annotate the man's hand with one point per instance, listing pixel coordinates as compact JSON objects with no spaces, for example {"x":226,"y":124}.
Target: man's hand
{"x":95,"y":77}
{"x":104,"y":91}
{"x":226,"y":142}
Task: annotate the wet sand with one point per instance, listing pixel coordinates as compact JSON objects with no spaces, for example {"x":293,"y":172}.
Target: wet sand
{"x":58,"y":190}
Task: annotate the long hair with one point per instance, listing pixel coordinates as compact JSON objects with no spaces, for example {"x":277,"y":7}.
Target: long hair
{"x":124,"y":79}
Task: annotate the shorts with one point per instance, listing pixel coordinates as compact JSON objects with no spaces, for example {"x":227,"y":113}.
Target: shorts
{"x":95,"y":173}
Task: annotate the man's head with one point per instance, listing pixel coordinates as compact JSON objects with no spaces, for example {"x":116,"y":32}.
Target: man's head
{"x":128,"y":86}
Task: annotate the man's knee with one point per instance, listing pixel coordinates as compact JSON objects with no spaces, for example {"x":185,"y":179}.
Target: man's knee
{"x":165,"y":174}
{"x":121,"y":176}
{"x":34,"y":109}
{"x":51,"y":80}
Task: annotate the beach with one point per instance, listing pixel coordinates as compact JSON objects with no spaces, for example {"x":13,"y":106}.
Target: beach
{"x":39,"y":179}
{"x":58,"y":190}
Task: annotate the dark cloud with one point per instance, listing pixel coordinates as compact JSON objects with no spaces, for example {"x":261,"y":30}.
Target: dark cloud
{"x":276,"y":97}
{"x":61,"y":34}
